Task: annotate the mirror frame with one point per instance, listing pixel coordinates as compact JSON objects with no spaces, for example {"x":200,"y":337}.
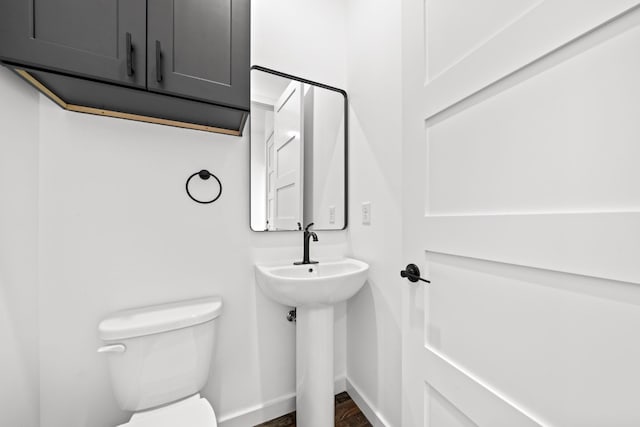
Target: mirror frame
{"x":346,"y":146}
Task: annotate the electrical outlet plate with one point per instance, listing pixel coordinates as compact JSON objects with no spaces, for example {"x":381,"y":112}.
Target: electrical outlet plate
{"x":366,"y":213}
{"x":332,"y":214}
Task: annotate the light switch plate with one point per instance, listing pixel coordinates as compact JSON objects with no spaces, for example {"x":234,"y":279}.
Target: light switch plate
{"x":366,"y":213}
{"x":332,"y":214}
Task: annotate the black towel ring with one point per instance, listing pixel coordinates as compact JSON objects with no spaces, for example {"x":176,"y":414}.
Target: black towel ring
{"x":204,"y":175}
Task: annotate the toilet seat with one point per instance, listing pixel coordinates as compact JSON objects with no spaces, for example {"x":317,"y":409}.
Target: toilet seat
{"x":194,"y":411}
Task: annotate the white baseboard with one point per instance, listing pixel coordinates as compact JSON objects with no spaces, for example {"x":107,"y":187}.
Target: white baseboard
{"x":269,"y":410}
{"x":260,"y":413}
{"x":370,"y":411}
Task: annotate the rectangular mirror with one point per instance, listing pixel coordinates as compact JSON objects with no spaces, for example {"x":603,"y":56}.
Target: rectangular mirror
{"x":298,"y":153}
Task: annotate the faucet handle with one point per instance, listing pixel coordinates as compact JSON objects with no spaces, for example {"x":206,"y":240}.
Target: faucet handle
{"x":308,"y":227}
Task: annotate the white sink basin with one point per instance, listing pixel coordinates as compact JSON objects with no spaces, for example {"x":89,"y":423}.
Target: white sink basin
{"x":325,"y":283}
{"x":313,"y":289}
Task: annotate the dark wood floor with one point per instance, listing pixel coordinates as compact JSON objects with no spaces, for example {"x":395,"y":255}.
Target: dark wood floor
{"x":347,"y":415}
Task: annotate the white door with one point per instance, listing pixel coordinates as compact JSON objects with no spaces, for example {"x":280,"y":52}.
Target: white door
{"x":271,"y":173}
{"x":521,"y":130}
{"x":288,"y":131}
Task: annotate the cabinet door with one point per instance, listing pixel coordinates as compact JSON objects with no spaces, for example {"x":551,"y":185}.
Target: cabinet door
{"x":101,"y":39}
{"x":200,"y":49}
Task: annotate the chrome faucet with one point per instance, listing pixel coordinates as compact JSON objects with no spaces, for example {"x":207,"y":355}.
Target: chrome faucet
{"x":307,"y":236}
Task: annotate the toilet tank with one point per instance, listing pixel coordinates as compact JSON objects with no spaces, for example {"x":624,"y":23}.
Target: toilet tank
{"x":160,"y":354}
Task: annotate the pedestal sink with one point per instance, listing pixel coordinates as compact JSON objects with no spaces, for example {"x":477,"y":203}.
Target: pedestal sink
{"x":313,"y":289}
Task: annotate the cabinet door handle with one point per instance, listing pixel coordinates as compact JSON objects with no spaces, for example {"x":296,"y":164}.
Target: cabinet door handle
{"x":158,"y":61}
{"x":130,"y":49}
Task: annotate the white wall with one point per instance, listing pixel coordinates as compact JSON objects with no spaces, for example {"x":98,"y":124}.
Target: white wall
{"x":116,"y":230}
{"x":374,"y":328}
{"x":19,"y":396}
{"x":328,"y":158}
{"x":304,"y":38}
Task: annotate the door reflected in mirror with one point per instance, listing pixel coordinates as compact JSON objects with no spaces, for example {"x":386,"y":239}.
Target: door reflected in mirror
{"x":298,"y":153}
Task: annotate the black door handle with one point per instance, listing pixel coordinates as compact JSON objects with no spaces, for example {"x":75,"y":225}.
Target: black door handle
{"x":412,"y":272}
{"x":158,"y":61}
{"x":130,"y":49}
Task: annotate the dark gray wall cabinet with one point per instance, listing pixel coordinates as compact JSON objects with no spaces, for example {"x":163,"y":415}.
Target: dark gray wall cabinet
{"x":176,"y":62}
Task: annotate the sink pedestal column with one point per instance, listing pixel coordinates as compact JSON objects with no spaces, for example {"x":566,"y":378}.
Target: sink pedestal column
{"x":314,"y":366}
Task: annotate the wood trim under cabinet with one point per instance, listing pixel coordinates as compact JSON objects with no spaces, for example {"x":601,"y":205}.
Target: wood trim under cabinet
{"x":117,"y":114}
{"x":42,"y":88}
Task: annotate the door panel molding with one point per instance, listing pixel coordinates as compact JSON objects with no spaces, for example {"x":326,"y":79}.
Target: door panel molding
{"x":590,"y":242}
{"x":465,"y":31}
{"x":474,"y":398}
{"x":577,"y":243}
{"x":570,"y":19}
{"x":573,"y":48}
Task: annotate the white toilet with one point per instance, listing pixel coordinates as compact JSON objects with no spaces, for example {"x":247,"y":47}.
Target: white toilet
{"x":159,"y":360}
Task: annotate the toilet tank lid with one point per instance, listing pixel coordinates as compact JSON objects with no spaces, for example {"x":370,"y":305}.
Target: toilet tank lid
{"x":159,"y":318}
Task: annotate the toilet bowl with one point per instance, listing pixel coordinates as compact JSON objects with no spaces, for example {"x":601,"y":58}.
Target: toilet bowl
{"x":193,"y":411}
{"x":159,"y":360}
